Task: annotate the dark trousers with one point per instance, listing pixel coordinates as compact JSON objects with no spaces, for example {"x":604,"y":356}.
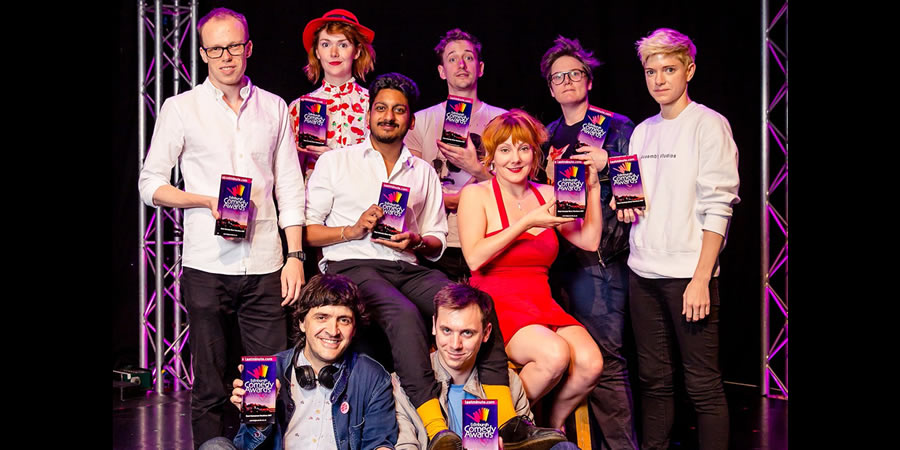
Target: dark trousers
{"x":663,"y":337}
{"x":596,"y":295}
{"x":400,"y":297}
{"x":452,"y":263}
{"x":216,"y":304}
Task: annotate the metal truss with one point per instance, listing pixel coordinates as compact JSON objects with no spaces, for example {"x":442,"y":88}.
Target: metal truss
{"x":774,"y":203}
{"x":168,"y":25}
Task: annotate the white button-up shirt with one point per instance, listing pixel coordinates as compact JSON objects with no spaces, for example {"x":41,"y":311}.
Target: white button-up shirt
{"x":347,"y":181}
{"x":199,"y":130}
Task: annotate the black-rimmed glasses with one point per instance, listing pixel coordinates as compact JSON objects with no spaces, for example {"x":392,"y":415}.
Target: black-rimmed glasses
{"x":233,"y":50}
{"x":575,"y":75}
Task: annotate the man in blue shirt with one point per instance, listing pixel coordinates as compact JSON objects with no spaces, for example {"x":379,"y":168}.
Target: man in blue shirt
{"x":460,"y":325}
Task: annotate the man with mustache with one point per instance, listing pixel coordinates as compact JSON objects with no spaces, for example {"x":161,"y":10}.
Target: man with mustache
{"x":460,"y":63}
{"x":340,"y":218}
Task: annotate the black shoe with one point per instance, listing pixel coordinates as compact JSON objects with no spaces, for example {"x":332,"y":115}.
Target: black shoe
{"x":520,"y":433}
{"x":445,"y":440}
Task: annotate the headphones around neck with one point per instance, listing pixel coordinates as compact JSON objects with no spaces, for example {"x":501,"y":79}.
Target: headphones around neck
{"x":306,"y":376}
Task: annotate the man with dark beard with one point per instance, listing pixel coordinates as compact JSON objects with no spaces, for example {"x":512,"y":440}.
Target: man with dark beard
{"x":399,"y":292}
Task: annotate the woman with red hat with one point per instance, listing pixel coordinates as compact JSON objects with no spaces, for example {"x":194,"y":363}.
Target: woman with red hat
{"x":340,"y":53}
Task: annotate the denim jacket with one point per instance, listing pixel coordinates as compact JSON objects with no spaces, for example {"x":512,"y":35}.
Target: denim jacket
{"x":369,"y":422}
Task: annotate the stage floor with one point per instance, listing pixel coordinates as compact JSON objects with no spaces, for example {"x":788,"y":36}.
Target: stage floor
{"x":164,"y":421}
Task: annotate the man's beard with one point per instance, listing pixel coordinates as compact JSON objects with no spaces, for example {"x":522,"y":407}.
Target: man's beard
{"x":387,"y":139}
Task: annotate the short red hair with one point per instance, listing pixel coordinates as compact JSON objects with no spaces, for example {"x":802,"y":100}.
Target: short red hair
{"x":522,"y":127}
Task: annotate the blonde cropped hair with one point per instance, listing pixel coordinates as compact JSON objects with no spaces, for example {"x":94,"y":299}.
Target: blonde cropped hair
{"x":522,"y":127}
{"x":668,"y":42}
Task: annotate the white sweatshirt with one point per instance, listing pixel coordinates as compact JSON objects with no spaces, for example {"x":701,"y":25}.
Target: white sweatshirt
{"x":689,"y":169}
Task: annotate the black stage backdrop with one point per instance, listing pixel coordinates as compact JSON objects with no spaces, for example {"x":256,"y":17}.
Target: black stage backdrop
{"x":514,"y":37}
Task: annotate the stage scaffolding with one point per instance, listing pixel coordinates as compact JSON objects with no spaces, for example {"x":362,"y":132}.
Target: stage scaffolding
{"x":774,"y":202}
{"x":169,"y":25}
{"x":163,"y":333}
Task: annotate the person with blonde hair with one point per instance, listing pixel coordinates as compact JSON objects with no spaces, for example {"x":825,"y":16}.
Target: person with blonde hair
{"x":689,"y":166}
{"x":507,"y":229}
{"x":340,"y":53}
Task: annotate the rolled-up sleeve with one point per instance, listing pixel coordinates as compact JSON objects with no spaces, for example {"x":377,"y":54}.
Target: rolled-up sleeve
{"x":289,"y":189}
{"x":432,"y":220}
{"x":165,"y":148}
{"x":319,"y":192}
{"x":718,"y":180}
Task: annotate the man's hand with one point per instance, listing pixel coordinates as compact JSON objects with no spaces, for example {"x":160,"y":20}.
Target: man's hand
{"x":366,"y":223}
{"x":627,"y":215}
{"x":466,"y":158}
{"x":291,"y":280}
{"x":213,"y":204}
{"x":695,"y":303}
{"x":401,"y":241}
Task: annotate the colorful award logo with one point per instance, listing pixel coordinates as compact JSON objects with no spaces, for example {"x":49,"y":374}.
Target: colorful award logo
{"x":456,"y":120}
{"x":594,"y":127}
{"x":392,"y":201}
{"x":234,"y":206}
{"x":625,"y":178}
{"x":569,"y":187}
{"x":259,"y":375}
{"x":480,"y":425}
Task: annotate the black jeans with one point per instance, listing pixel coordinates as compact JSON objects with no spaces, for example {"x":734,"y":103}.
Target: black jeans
{"x":215,"y":304}
{"x":400,"y":297}
{"x":597,"y":296}
{"x":663,"y":336}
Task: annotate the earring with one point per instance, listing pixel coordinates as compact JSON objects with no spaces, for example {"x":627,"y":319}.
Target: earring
{"x":492,"y":166}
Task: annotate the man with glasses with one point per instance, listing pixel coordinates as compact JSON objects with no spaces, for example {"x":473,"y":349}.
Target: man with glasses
{"x":459,"y":62}
{"x":229,"y":126}
{"x":593,"y":286}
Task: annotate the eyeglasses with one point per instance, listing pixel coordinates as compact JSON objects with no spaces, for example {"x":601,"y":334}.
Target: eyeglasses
{"x":233,"y":50}
{"x":575,"y":75}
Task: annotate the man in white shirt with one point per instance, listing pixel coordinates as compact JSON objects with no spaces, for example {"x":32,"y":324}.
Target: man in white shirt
{"x":229,"y":126}
{"x":343,"y":209}
{"x":460,"y":63}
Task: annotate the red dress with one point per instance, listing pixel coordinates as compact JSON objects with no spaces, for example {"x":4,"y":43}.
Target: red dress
{"x":517,"y":278}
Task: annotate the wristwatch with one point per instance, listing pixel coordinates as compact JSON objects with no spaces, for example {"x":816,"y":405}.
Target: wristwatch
{"x":420,"y":244}
{"x":298,"y":254}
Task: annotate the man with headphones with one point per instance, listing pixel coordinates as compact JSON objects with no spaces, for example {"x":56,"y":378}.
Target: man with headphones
{"x":330,"y":392}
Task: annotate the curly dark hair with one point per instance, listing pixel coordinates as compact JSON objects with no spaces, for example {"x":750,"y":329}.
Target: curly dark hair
{"x":327,"y":290}
{"x":397,"y":82}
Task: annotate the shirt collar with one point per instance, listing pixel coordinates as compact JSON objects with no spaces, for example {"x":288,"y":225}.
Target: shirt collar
{"x":244,"y":93}
{"x":406,"y":157}
{"x":345,"y":88}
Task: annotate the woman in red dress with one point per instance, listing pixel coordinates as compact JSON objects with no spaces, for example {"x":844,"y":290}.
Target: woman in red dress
{"x":506,"y":228}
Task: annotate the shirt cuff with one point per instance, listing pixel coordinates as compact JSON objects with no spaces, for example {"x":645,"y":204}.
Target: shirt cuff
{"x":290,"y":218}
{"x":716,"y":224}
{"x":441,"y":237}
{"x":148,"y":188}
